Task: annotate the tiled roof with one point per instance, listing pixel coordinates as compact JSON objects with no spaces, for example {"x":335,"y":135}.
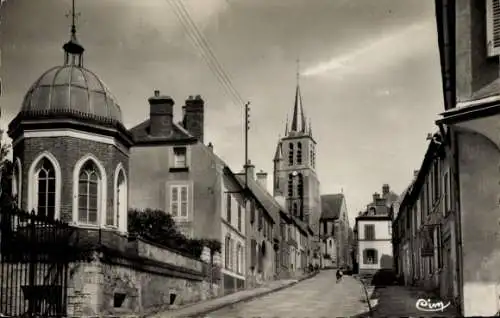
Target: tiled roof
{"x":271,"y":204}
{"x":264,"y":198}
{"x":331,"y":205}
{"x":141,"y":134}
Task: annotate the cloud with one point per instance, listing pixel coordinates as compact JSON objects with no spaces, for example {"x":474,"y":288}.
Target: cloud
{"x":376,"y":53}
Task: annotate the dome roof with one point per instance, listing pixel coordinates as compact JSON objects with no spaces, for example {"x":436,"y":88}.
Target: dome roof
{"x":71,"y":89}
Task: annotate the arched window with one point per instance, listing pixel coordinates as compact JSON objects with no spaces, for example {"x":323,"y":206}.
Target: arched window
{"x":118,"y":217}
{"x":44,"y":186}
{"x":88,"y":194}
{"x":227,"y":252}
{"x":17,"y":182}
{"x":90,"y":206}
{"x":290,"y":154}
{"x":295,"y":210}
{"x":46,"y":189}
{"x":290,"y":185}
{"x":299,"y":153}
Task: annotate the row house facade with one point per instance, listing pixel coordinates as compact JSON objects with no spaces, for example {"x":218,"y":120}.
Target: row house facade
{"x":296,"y":252}
{"x":424,"y":231}
{"x":182,"y":176}
{"x":334,"y":231}
{"x":469,"y":54}
{"x":373,"y":250}
{"x":233,"y":232}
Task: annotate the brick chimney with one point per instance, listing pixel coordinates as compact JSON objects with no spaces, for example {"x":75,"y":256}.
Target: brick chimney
{"x":385,"y":189}
{"x":262,"y":179}
{"x":376,"y":196}
{"x":251,"y":170}
{"x":193,"y":120}
{"x":161,"y":114}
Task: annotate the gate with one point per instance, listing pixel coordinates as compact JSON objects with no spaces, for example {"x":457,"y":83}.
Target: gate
{"x":33,"y":264}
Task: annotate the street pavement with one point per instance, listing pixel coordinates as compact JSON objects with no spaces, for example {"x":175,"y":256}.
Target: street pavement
{"x":400,"y":301}
{"x":320,"y":296}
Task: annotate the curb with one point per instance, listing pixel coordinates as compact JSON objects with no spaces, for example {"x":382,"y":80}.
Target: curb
{"x":367,"y":297}
{"x":245,"y":299}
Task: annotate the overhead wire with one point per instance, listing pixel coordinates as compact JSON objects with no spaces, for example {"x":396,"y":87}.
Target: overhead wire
{"x":206,"y":44}
{"x":203,"y":46}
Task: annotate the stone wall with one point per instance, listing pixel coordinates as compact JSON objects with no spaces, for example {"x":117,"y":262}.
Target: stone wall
{"x":116,"y":283}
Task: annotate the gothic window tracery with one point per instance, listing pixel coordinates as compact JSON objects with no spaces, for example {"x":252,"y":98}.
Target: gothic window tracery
{"x":88,"y":193}
{"x":290,"y":154}
{"x":46,"y":192}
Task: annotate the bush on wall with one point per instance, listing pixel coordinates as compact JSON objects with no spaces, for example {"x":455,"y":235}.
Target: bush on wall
{"x":159,"y":227}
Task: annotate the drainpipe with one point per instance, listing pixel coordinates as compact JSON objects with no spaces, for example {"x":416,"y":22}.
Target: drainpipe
{"x":458,"y":225}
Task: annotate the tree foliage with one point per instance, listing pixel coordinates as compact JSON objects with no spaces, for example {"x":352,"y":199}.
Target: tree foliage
{"x":160,"y":228}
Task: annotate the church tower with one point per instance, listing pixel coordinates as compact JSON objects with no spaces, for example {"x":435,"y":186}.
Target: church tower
{"x":295,"y":176}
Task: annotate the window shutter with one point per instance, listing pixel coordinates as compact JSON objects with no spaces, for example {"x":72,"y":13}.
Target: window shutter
{"x":228,"y":208}
{"x":184,"y":201}
{"x":493,"y":27}
{"x":174,"y":201}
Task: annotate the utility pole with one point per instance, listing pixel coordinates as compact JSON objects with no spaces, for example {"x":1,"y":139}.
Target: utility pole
{"x":247,"y":128}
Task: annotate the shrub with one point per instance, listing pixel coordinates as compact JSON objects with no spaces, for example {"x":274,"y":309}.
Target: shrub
{"x":160,"y":228}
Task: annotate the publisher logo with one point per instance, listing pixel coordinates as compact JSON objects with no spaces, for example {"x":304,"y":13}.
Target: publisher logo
{"x":431,"y":306}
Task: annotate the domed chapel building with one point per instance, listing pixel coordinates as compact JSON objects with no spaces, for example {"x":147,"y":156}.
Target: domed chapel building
{"x":70,"y":147}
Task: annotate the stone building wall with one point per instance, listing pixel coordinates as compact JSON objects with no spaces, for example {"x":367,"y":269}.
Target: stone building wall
{"x":113,"y":284}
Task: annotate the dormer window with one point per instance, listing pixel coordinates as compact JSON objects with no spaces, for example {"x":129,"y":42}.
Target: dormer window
{"x":180,"y":157}
{"x":179,"y":160}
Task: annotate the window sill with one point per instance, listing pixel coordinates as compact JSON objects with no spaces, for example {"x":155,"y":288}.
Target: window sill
{"x":178,"y":169}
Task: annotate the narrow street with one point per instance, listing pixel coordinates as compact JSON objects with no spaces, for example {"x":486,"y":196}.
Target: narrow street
{"x":319,"y":296}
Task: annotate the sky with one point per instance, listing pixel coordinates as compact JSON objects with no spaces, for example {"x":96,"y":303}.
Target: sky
{"x":370,"y":76}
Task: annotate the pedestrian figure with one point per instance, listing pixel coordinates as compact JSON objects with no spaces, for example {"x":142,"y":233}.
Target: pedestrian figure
{"x":339,"y":274}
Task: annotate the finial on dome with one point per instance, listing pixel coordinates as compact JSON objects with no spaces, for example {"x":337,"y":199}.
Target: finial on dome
{"x":73,"y":49}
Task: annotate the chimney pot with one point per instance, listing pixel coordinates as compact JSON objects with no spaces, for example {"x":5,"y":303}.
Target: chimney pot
{"x":190,"y":97}
{"x":157,"y":93}
{"x":211,"y":146}
{"x":198,"y":97}
{"x":415,"y":173}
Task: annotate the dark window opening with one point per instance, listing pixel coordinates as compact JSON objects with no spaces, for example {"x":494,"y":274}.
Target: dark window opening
{"x":118,"y":299}
{"x":299,"y":153}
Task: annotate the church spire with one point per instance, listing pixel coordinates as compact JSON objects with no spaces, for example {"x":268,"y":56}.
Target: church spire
{"x":299,"y":119}
{"x":73,"y":50}
{"x":286,"y":126}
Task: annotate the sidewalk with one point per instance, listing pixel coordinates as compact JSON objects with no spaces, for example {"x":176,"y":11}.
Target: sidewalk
{"x":391,"y":301}
{"x":202,"y":308}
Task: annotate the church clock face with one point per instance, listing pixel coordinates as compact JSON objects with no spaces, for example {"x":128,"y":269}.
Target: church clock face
{"x":294,"y":173}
